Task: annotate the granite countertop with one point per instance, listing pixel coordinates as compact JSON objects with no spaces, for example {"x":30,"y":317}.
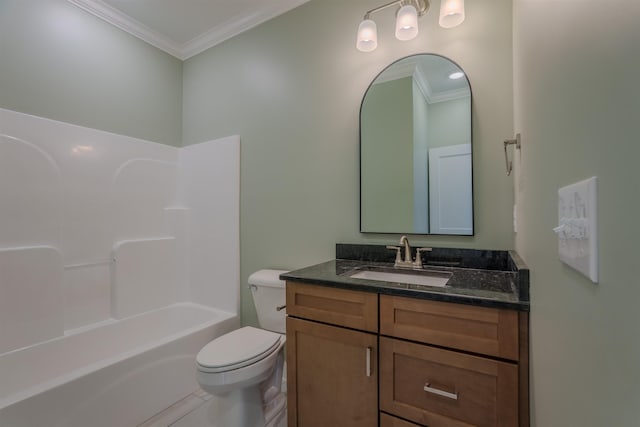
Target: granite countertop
{"x":502,"y":284}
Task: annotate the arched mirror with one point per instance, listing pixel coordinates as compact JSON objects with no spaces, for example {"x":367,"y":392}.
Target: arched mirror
{"x":415,"y":149}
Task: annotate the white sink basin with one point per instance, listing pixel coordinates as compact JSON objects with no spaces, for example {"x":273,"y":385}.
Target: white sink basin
{"x":439,"y":280}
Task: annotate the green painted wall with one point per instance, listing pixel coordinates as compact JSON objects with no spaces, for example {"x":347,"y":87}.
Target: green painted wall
{"x":60,"y":62}
{"x":292,"y":87}
{"x":450,"y":123}
{"x":387,"y":157}
{"x":577,"y":104}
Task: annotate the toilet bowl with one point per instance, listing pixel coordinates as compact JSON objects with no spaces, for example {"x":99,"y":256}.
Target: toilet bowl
{"x":244,"y":369}
{"x":242,"y":358}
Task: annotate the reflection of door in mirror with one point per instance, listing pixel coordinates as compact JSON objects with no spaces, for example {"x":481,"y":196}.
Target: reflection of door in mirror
{"x":449,"y":192}
{"x":411,"y":112}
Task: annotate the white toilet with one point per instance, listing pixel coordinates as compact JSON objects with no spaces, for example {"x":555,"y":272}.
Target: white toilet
{"x":244,"y":369}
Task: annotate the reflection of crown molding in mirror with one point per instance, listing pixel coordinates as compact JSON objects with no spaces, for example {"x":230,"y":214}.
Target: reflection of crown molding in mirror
{"x":404,"y":122}
{"x":449,"y":95}
{"x":423,"y":84}
{"x":411,"y":69}
{"x":405,"y":69}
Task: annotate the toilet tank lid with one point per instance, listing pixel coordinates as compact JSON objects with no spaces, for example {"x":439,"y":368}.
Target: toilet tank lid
{"x":267,"y":277}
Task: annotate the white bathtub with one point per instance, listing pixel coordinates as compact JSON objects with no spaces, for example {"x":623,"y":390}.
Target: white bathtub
{"x":115,"y":374}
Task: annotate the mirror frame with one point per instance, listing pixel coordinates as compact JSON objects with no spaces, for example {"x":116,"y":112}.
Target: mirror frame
{"x":473,"y":196}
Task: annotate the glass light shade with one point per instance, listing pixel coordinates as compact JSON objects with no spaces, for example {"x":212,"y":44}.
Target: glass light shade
{"x":451,"y":13}
{"x":407,"y":23}
{"x":367,"y":36}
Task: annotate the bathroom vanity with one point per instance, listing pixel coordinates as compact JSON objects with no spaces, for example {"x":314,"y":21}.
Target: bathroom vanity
{"x":369,"y":352}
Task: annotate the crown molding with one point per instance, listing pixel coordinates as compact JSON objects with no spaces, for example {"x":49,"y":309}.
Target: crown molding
{"x":130,"y":25}
{"x":236,"y":26}
{"x":198,"y":44}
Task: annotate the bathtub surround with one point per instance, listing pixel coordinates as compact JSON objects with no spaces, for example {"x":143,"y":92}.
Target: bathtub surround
{"x":31,"y":296}
{"x":96,"y":229}
{"x":94,"y":197}
{"x":209,"y":185}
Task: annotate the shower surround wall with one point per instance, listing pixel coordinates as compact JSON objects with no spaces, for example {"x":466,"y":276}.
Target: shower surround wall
{"x":97,"y":226}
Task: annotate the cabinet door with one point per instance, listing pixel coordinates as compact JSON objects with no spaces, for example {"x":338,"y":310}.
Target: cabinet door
{"x":332,"y":376}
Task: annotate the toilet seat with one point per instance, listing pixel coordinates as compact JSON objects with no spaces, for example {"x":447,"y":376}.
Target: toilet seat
{"x":237,"y":349}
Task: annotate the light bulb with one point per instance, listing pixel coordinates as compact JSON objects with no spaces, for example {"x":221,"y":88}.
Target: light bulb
{"x":451,"y":13}
{"x":407,"y":23}
{"x":367,"y":36}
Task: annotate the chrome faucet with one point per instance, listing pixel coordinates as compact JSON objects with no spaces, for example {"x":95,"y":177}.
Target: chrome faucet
{"x":408,"y":258}
{"x":404,"y":240}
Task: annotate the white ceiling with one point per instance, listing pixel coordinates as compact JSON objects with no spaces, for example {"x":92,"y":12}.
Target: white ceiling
{"x":184,"y":28}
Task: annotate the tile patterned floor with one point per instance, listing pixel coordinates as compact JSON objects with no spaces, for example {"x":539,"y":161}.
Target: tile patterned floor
{"x":183,"y":413}
{"x":197,"y":410}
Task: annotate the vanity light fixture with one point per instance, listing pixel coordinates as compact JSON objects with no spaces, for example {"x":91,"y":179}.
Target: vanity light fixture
{"x":407,"y":22}
{"x":407,"y":14}
{"x":451,"y":13}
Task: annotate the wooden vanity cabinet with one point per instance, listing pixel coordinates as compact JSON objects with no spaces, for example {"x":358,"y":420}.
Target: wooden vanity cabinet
{"x":453,"y":365}
{"x":428,"y":363}
{"x":387,"y":420}
{"x":332,"y":368}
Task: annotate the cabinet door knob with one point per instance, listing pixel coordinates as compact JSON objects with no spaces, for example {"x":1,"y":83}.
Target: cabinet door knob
{"x":429,"y":389}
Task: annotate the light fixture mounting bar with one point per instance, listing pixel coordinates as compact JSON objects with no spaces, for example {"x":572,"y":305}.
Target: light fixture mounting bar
{"x":422,"y":6}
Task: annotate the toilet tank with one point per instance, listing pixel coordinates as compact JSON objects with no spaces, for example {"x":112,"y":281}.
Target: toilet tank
{"x":268,"y":294}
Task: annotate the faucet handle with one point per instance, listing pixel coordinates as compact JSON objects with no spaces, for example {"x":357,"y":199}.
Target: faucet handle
{"x":398,"y":256}
{"x":418,"y":262}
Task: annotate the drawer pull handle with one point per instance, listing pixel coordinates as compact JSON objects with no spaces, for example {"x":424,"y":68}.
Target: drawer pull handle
{"x":429,"y":389}
{"x":368,"y":361}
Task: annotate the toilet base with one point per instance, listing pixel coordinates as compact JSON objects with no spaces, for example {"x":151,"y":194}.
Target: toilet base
{"x":237,"y":408}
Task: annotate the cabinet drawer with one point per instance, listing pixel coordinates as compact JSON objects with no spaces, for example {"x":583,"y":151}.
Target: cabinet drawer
{"x":439,"y":388}
{"x":387,"y":420}
{"x":357,"y":310}
{"x":483,"y":330}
